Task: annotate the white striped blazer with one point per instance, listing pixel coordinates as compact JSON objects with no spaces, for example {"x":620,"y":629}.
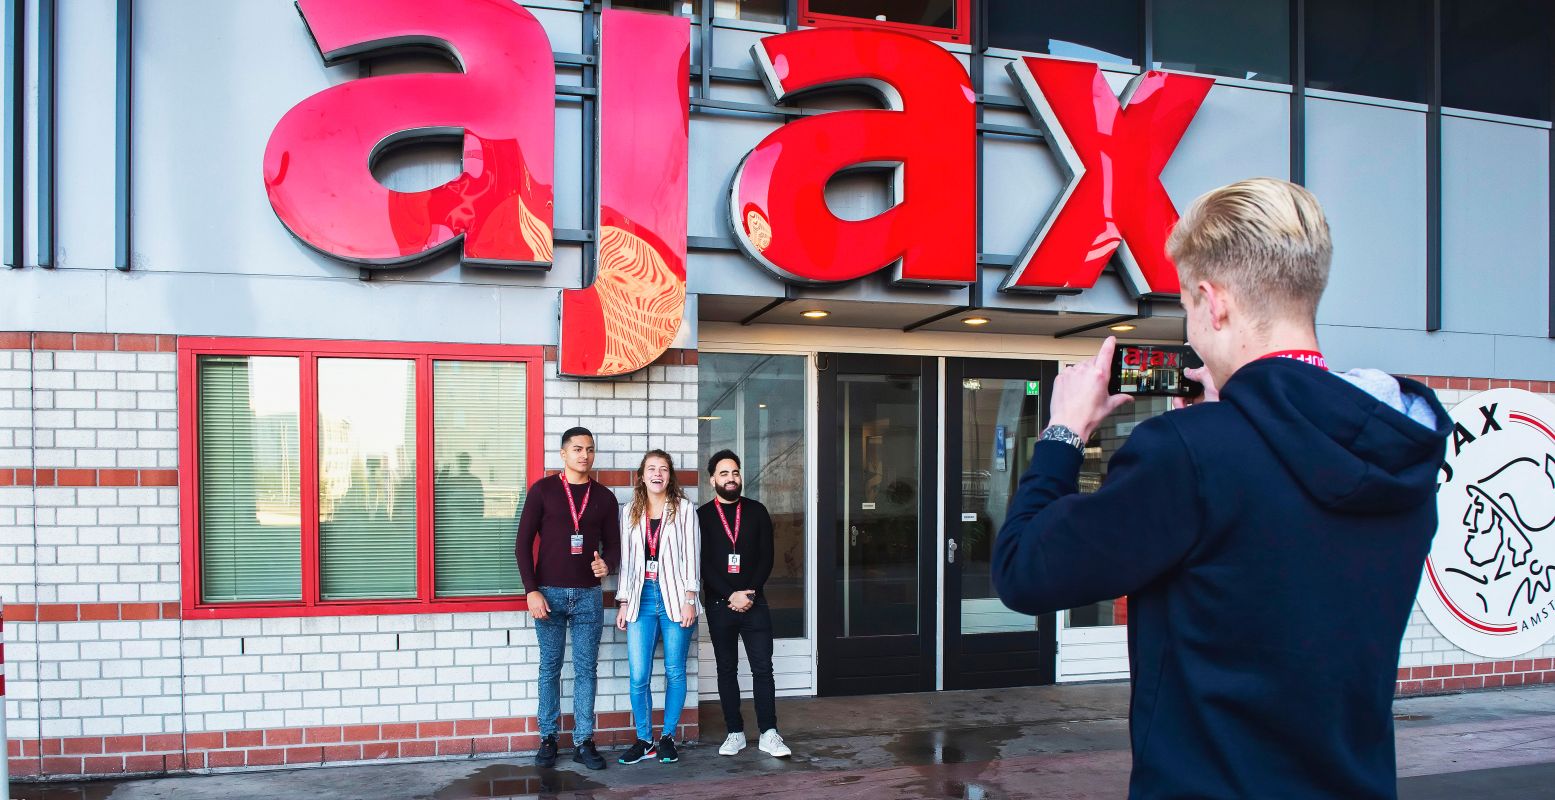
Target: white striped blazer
{"x":680,"y":559}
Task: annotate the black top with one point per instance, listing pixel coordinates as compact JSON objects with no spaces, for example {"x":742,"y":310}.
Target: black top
{"x":653,"y":540}
{"x":755,"y":549}
{"x":1269,"y":594}
{"x":547,"y":517}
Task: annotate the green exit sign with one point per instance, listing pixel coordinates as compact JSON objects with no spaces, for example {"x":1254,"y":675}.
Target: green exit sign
{"x":1033,"y":387}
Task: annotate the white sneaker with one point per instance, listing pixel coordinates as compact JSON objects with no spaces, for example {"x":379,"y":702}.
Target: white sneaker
{"x":772,"y":744}
{"x":732,"y":745}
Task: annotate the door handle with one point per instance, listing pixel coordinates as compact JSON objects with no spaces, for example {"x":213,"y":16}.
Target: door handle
{"x":853,"y":533}
{"x":950,"y":549}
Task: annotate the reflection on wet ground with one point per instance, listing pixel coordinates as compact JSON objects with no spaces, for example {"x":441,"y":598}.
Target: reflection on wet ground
{"x":508,"y":780}
{"x":951,"y":747}
{"x":96,"y":790}
{"x":1053,"y":744}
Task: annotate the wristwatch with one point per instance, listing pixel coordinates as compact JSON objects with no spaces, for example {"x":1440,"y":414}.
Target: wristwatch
{"x":1061,"y":433}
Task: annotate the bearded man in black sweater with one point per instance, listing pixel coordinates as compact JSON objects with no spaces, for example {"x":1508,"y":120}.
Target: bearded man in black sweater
{"x":736,"y":562}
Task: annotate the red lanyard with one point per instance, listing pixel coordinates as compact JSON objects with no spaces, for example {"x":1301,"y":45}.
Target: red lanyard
{"x":577,"y":512}
{"x":653,"y":533}
{"x":1312,"y":357}
{"x":734,"y":535}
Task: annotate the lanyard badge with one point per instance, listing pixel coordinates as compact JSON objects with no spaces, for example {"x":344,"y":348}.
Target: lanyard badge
{"x":577,"y":514}
{"x":652,"y":534}
{"x":732,"y":533}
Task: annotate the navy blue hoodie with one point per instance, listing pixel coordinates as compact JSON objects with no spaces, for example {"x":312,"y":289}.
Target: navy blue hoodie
{"x":1270,"y":546}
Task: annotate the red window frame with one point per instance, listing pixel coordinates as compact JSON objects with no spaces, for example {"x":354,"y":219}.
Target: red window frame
{"x":960,"y":34}
{"x":308,"y":352}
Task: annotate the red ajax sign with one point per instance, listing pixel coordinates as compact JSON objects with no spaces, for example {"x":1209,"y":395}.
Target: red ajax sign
{"x":499,"y":210}
{"x":1149,"y":358}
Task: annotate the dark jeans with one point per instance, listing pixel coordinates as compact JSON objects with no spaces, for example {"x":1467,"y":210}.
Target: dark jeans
{"x":726,"y":628}
{"x":581,"y":611}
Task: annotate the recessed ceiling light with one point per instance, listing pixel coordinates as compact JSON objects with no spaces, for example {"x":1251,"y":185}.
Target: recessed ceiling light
{"x":815,"y":313}
{"x":1122,"y":328}
{"x":975,"y":321}
{"x":761,"y":405}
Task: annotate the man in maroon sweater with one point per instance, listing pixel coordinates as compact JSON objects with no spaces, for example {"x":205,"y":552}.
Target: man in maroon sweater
{"x":568,"y":534}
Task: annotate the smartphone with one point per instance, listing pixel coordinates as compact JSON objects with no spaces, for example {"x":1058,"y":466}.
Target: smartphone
{"x":1152,"y":370}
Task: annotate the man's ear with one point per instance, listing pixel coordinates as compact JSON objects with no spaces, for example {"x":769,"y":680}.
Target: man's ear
{"x":1220,"y":303}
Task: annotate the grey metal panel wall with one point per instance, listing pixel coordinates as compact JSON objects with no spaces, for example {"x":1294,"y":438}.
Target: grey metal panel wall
{"x":84,"y":132}
{"x":1238,"y":133}
{"x":1366,"y":163}
{"x":718,"y":142}
{"x":1495,"y":228}
{"x":1021,"y":181}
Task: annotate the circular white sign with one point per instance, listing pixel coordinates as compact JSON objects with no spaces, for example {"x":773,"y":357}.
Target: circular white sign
{"x":1487,"y":584}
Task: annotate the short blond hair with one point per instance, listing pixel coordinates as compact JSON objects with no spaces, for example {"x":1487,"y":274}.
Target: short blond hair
{"x":1264,"y":239}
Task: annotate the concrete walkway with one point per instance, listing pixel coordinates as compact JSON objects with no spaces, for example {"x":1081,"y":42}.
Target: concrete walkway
{"x":1047,"y":742}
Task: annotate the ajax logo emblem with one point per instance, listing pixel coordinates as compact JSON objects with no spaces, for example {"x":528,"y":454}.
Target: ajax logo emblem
{"x":1488,"y":580}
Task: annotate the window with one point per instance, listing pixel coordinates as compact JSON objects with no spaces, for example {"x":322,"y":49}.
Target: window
{"x":944,"y":20}
{"x":1372,"y":47}
{"x":1235,"y":38}
{"x":349,"y":477}
{"x":770,"y":11}
{"x":755,"y":406}
{"x":1496,"y":56}
{"x":1101,"y":30}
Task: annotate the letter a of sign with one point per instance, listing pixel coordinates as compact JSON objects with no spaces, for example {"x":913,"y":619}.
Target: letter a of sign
{"x":927,"y":136}
{"x":318,"y":161}
{"x":1113,"y":153}
{"x":632,"y":312}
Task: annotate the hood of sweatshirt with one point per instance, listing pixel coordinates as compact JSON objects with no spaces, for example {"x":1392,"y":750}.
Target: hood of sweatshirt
{"x":1358,"y":442}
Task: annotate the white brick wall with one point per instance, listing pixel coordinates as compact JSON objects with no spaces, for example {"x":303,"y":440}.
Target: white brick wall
{"x":653,"y":408}
{"x":120,"y":545}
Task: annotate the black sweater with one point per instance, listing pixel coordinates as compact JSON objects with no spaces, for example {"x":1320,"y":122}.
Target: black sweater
{"x":755,"y":549}
{"x":547,"y":518}
{"x":1270,"y":545}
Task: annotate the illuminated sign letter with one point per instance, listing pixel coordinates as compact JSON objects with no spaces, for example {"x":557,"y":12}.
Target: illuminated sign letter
{"x":318,"y":161}
{"x":926,"y":135}
{"x":1113,"y":154}
{"x":632,"y":312}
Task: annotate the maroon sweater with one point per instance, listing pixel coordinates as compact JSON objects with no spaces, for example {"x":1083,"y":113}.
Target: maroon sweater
{"x":547,"y":518}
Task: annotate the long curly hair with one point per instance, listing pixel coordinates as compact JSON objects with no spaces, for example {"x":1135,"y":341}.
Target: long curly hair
{"x":673,"y":494}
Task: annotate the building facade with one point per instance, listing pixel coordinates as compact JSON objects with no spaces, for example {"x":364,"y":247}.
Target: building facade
{"x":263,"y":443}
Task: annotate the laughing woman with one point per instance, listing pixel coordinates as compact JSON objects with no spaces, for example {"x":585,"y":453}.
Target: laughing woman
{"x":661,"y":549}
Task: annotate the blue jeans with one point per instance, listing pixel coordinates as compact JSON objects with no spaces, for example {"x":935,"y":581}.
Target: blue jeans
{"x":582,"y":610}
{"x":642,"y":636}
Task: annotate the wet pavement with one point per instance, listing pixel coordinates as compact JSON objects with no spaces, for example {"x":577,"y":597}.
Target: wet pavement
{"x":1047,"y":742}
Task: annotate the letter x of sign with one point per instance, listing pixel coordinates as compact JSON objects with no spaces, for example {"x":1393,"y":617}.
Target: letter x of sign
{"x":1113,"y":153}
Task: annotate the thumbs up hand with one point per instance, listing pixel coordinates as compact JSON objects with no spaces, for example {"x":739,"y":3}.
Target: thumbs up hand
{"x":599,"y":567}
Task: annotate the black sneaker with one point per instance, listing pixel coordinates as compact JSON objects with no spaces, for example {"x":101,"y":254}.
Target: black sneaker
{"x":547,"y":755}
{"x":586,"y":755}
{"x":637,"y":752}
{"x":667,"y":752}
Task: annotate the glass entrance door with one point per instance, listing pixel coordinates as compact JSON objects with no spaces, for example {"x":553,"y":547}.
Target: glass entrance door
{"x":878,"y":493}
{"x":995,"y":411}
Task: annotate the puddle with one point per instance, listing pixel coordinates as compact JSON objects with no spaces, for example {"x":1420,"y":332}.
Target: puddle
{"x":951,"y":747}
{"x":97,"y":790}
{"x":509,"y":781}
{"x":956,"y":790}
{"x":1410,"y":717}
